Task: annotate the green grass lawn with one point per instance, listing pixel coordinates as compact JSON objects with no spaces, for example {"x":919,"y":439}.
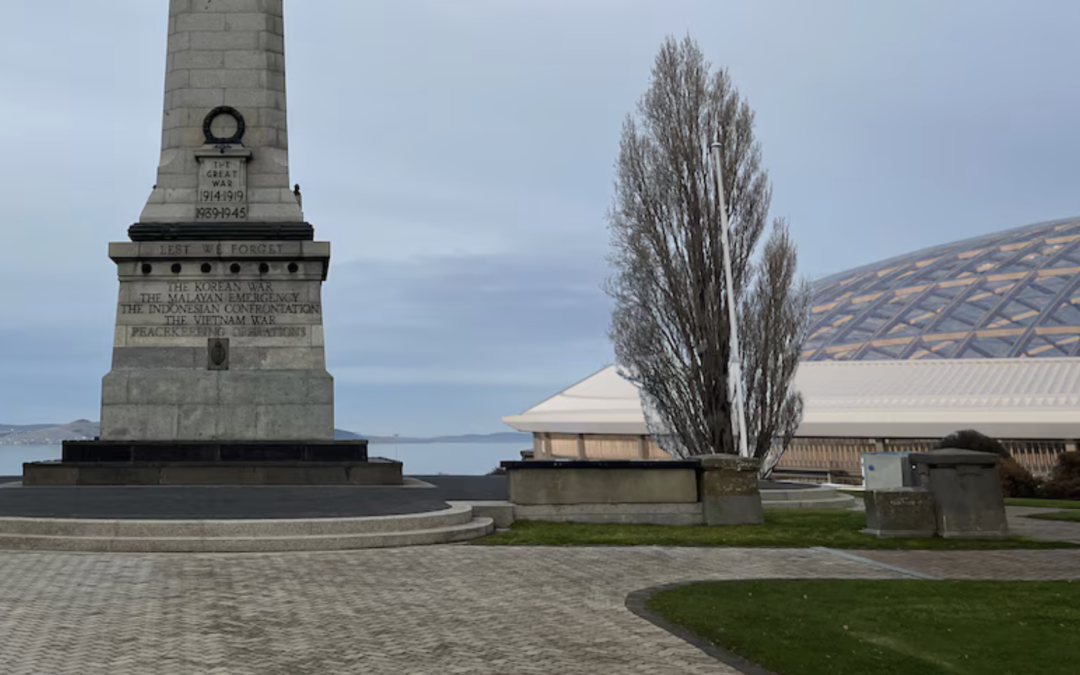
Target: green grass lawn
{"x":1068,"y":516}
{"x":886,"y":627}
{"x":794,"y":528}
{"x":1044,"y":503}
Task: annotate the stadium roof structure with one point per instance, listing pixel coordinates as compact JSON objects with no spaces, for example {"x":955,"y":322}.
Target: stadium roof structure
{"x":918,"y":346}
{"x":1011,"y":294}
{"x":1004,"y":398}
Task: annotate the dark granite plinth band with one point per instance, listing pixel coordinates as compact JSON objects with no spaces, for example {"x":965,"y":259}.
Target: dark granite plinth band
{"x":373,"y":472}
{"x":221,"y":232}
{"x":215,"y":451}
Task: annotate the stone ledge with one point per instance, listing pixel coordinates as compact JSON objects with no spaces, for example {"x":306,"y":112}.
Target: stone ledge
{"x":477,"y":527}
{"x":219,"y":249}
{"x":375,"y":472}
{"x":223,"y":452}
{"x":221,"y":231}
{"x":206,"y":528}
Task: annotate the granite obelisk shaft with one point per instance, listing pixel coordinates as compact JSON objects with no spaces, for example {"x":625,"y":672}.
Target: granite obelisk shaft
{"x":224,"y":54}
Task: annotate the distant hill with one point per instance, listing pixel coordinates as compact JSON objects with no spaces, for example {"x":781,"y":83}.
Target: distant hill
{"x":48,"y":434}
{"x":504,"y":437}
{"x":85,"y":430}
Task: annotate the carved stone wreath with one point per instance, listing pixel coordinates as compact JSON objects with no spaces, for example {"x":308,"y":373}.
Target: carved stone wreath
{"x":241,"y":125}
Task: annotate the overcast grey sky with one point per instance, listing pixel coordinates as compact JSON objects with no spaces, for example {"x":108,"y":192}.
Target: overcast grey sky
{"x":459,"y":157}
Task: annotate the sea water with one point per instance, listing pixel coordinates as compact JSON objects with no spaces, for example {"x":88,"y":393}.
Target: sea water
{"x":420,"y":459}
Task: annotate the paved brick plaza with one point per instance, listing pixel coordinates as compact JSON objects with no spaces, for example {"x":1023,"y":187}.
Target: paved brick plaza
{"x":435,"y":610}
{"x":439,"y":610}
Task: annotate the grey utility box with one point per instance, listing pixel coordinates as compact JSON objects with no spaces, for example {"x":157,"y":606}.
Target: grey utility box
{"x":966,"y":490}
{"x":883,"y":470}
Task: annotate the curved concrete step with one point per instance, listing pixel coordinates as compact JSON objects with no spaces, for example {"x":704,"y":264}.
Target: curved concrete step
{"x":457,"y":514}
{"x":474,"y":528}
{"x":802,"y":494}
{"x":837,"y":501}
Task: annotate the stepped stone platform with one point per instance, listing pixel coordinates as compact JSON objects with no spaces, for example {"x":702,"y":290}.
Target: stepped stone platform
{"x":239,"y":518}
{"x":205,"y":519}
{"x":192,"y":463}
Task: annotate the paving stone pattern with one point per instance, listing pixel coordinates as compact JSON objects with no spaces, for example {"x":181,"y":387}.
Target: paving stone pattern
{"x":1056,"y":530}
{"x":437,"y":610}
{"x":1054,"y":565}
{"x":1022,"y":565}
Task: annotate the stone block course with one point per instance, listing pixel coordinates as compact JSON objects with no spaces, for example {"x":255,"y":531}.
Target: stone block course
{"x":197,"y":422}
{"x":250,"y":21}
{"x":224,"y":79}
{"x":223,"y":41}
{"x":200,"y":21}
{"x":191,"y":60}
{"x":248,"y":60}
{"x":179,"y":42}
{"x":272,"y":42}
{"x":170,"y":387}
{"x":114,"y":388}
{"x":295,"y":422}
{"x":197,"y":98}
{"x":235,"y":6}
{"x":238,"y":422}
{"x":177,"y":79}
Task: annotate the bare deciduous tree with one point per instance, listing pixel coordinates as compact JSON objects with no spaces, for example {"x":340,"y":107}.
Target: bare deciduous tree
{"x":670,"y":323}
{"x":773,"y":322}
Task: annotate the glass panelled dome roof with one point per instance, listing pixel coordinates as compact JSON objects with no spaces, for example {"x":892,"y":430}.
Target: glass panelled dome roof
{"x":1009,"y":294}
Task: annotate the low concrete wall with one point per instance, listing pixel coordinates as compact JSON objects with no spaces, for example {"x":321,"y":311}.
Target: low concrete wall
{"x":714,"y":490}
{"x":616,"y":482}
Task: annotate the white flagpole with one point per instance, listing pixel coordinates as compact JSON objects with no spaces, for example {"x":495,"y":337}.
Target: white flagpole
{"x":735,"y":363}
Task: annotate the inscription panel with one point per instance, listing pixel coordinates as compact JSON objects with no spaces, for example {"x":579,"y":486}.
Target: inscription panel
{"x":223,"y":192}
{"x":219,"y":249}
{"x":252,"y":312}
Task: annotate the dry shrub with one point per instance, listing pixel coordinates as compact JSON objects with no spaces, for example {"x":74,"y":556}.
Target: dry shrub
{"x":1064,"y":481}
{"x":1016,"y":481}
{"x":969,"y":439}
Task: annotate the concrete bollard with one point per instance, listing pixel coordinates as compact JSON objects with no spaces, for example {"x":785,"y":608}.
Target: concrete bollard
{"x":728,"y":490}
{"x":900,"y":512}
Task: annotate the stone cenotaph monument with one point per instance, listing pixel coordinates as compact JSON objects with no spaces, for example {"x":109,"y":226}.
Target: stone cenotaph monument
{"x":219,"y":364}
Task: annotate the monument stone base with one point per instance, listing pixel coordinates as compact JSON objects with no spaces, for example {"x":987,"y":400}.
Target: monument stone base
{"x":195,"y":463}
{"x":900,"y":512}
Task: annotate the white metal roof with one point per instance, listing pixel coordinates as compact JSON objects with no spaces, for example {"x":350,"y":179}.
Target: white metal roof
{"x":1006,"y":398}
{"x":603,"y":403}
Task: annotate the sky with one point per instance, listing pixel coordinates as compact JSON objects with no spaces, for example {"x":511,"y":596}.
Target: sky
{"x":460,"y":158}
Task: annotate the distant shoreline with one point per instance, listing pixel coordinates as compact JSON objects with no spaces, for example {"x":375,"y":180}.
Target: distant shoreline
{"x":47,"y":434}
